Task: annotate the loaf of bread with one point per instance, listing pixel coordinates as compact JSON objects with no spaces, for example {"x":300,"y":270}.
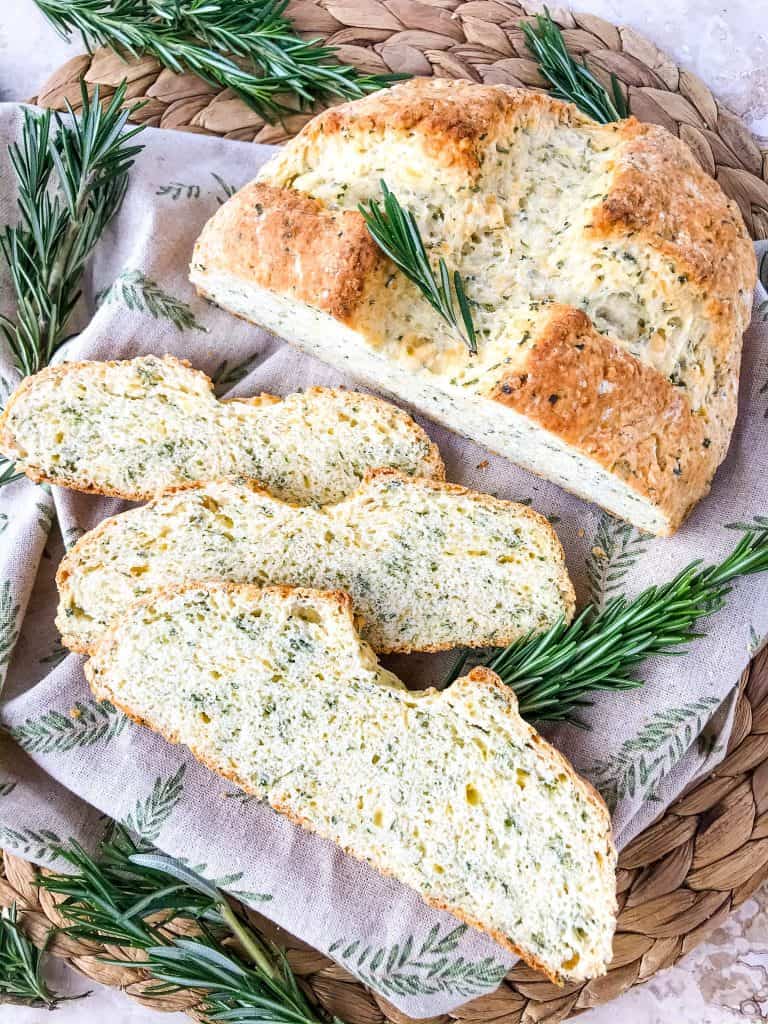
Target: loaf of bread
{"x":608,"y":276}
{"x":141,"y":427}
{"x":450,"y":792}
{"x":428,"y":565}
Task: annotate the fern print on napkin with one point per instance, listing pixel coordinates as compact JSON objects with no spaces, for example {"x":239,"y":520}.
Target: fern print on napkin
{"x":87,"y":723}
{"x":420,"y":967}
{"x":143,"y":294}
{"x":641,"y":762}
{"x":149,"y":815}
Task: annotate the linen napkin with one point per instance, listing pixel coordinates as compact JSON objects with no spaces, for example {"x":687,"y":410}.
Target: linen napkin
{"x":69,"y":764}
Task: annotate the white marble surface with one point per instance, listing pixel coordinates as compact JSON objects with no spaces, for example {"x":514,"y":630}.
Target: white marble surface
{"x":724,"y":981}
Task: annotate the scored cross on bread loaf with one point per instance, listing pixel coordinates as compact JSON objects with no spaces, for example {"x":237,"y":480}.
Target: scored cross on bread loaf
{"x":428,"y":565}
{"x":450,"y":792}
{"x":137,"y":428}
{"x":609,"y":279}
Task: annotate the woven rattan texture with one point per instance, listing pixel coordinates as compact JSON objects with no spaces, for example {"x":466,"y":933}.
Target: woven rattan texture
{"x":709,"y":852}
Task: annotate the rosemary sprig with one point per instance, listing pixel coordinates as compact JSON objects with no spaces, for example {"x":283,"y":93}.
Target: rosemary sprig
{"x":71,"y":179}
{"x":396,"y":233}
{"x":571,"y":80}
{"x":21,"y":962}
{"x":248,"y":46}
{"x":109,"y":900}
{"x":552,"y":672}
{"x":88,"y":160}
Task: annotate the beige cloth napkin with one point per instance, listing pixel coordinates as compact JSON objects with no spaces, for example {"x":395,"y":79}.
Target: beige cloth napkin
{"x":71,"y":761}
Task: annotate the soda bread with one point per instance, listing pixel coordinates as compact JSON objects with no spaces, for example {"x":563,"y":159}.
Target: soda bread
{"x":609,"y":279}
{"x":428,"y":565}
{"x":450,"y":792}
{"x":138,"y":428}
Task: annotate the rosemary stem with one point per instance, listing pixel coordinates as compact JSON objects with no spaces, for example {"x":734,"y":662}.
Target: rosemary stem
{"x":248,"y":940}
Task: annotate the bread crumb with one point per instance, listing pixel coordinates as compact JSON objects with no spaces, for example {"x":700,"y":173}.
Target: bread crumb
{"x":483,"y":465}
{"x":598,"y":552}
{"x":75,"y":712}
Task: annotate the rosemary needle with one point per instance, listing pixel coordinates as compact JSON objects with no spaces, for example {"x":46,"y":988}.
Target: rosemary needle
{"x":571,"y":80}
{"x":396,"y":233}
{"x":130,"y":894}
{"x":21,"y":976}
{"x":551,"y":673}
{"x":71,"y":179}
{"x":248,"y":46}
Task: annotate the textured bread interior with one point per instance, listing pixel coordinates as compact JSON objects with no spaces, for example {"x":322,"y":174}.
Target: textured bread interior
{"x":539,"y":209}
{"x":428,"y":565}
{"x":500,"y":428}
{"x":147,"y":425}
{"x":450,"y":792}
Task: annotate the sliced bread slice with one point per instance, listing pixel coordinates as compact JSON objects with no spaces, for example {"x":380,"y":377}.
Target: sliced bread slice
{"x":428,"y":565}
{"x":450,"y":792}
{"x":137,"y":428}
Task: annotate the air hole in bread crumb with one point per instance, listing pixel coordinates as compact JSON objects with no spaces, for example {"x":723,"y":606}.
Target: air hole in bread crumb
{"x":473,"y":796}
{"x":307,"y":615}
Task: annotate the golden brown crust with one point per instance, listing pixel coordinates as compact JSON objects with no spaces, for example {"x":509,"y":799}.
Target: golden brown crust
{"x":480,"y":677}
{"x":433,"y":460}
{"x":316,"y":255}
{"x":660,"y":194}
{"x":593,"y":395}
{"x":568,"y":594}
{"x":452,"y":120}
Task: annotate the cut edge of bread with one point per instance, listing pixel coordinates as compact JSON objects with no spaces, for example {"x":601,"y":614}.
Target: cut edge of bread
{"x":65,"y":569}
{"x":479,"y":676}
{"x":402,"y":385}
{"x":434,"y":464}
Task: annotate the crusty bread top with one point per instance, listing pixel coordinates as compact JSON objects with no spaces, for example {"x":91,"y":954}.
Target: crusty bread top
{"x":657,"y":190}
{"x":429,"y":565}
{"x":144,"y":426}
{"x":546,"y":214}
{"x":451,"y":792}
{"x":286,"y":222}
{"x":578,"y":384}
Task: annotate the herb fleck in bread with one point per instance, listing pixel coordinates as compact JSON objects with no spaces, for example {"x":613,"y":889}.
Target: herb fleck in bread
{"x":450,"y":792}
{"x":609,"y":279}
{"x":137,"y":428}
{"x":428,"y":565}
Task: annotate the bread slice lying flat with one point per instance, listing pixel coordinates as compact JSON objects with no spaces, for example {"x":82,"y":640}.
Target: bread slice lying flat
{"x":608,"y":275}
{"x":138,"y":428}
{"x":428,"y":565}
{"x":450,"y":792}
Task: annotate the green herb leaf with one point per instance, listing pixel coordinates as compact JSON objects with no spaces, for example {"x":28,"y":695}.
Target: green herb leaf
{"x":571,"y":80}
{"x":248,"y":46}
{"x":21,"y":976}
{"x":396,"y":233}
{"x":128,"y":897}
{"x":88,"y":162}
{"x":551,"y":673}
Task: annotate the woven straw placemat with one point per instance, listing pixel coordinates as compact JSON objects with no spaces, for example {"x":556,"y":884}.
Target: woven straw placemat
{"x":681,"y":877}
